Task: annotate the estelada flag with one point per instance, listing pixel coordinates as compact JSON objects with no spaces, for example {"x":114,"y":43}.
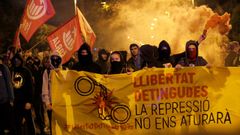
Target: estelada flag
{"x":86,"y":29}
{"x":36,"y":13}
{"x":66,"y":39}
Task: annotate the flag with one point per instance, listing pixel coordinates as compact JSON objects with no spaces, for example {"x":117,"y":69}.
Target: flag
{"x":66,"y":39}
{"x":86,"y":29}
{"x":16,"y":41}
{"x":36,"y":13}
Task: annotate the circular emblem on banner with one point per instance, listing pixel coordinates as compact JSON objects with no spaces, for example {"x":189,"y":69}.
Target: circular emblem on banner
{"x":36,"y":11}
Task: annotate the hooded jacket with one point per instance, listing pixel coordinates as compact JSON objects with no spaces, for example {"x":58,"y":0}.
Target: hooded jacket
{"x":164,"y":52}
{"x":199,"y":61}
{"x":22,"y":82}
{"x":104,"y":64}
{"x":85,"y":62}
{"x":46,"y":80}
{"x":149,"y":54}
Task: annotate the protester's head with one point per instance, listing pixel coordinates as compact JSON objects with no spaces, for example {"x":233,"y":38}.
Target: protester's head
{"x":11,"y":51}
{"x":84,"y":54}
{"x":37,"y":61}
{"x":116,"y":61}
{"x":234,"y":46}
{"x":55,"y":60}
{"x":134,"y":48}
{"x":30,"y":61}
{"x":103,"y":55}
{"x":17,"y":60}
{"x":46,"y":62}
{"x":192,"y":50}
{"x":164,"y":50}
{"x":149,"y":54}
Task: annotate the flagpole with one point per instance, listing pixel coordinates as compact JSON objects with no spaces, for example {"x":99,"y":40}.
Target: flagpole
{"x":75,"y":6}
{"x":36,"y":44}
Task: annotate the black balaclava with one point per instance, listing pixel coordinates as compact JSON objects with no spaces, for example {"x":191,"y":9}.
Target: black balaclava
{"x":164,"y":50}
{"x":117,"y":66}
{"x":85,"y":59}
{"x":30,"y":62}
{"x":55,"y":61}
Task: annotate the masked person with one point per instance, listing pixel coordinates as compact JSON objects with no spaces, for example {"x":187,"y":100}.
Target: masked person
{"x":191,"y":58}
{"x":23,"y":92}
{"x":149,"y":54}
{"x":55,"y":63}
{"x":6,"y":101}
{"x":233,"y":57}
{"x":164,"y":59}
{"x":102,"y":61}
{"x":34,"y":65}
{"x":85,"y":60}
{"x":135,"y":62}
{"x":117,"y":63}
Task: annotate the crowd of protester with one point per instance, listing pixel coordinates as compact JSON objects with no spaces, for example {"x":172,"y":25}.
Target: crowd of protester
{"x":25,"y":93}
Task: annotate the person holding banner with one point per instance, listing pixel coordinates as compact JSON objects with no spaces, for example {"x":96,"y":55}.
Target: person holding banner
{"x":55,"y":61}
{"x":117,"y":63}
{"x":135,"y":62}
{"x":191,"y":58}
{"x":85,"y":60}
{"x":164,"y":59}
{"x":102,"y":61}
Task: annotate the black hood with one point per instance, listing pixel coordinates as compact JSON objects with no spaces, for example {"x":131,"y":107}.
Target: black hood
{"x":17,"y":56}
{"x":164,"y":50}
{"x":191,"y":42}
{"x":85,"y":59}
{"x":103,"y":51}
{"x":149,"y":54}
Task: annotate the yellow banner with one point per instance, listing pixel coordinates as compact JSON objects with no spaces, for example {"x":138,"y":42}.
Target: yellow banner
{"x":148,"y":102}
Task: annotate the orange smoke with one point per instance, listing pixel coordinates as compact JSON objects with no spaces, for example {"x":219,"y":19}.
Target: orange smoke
{"x":221,"y":22}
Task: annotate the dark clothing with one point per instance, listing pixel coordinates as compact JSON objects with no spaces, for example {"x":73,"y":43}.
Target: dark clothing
{"x":6,"y":96}
{"x":188,"y":61}
{"x":164,"y":52}
{"x":135,"y":63}
{"x":6,"y":89}
{"x":232,"y":59}
{"x":149,"y":54}
{"x":7,"y":119}
{"x":103,"y":64}
{"x":200,"y":61}
{"x":85,"y":62}
{"x":23,"y":86}
{"x":178,"y":57}
{"x":90,"y":67}
{"x":117,"y":68}
{"x":23,"y":92}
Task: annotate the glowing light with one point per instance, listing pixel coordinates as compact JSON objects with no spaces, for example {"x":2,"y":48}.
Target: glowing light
{"x":151,"y":28}
{"x":152,"y":36}
{"x":152,"y":24}
{"x":155,"y":19}
{"x":167,"y":13}
{"x":193,"y":3}
{"x":105,"y":6}
{"x":128,"y":37}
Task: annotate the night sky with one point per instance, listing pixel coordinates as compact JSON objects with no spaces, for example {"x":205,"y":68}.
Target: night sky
{"x":11,"y":12}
